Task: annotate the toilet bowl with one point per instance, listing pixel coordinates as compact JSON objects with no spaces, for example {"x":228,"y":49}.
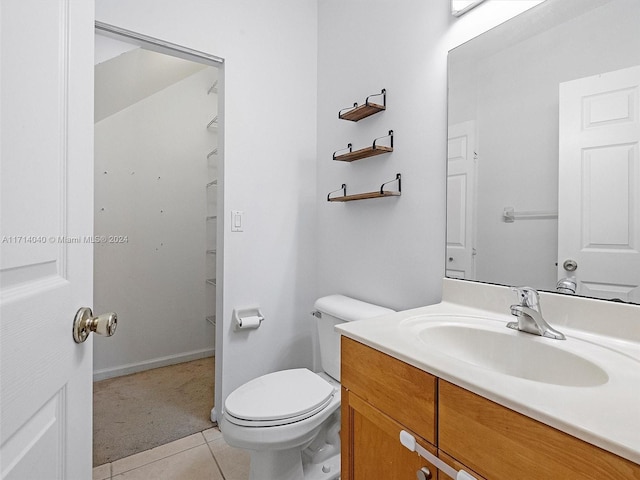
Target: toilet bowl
{"x":289,"y":420}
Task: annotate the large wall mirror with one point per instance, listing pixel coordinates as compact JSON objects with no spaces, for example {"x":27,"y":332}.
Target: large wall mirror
{"x":543,"y":158}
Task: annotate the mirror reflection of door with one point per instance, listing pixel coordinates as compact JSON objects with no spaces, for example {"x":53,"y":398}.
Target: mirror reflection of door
{"x":599,"y":184}
{"x":461,"y":185}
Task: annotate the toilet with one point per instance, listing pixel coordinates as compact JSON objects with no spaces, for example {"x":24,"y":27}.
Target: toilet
{"x":289,"y":420}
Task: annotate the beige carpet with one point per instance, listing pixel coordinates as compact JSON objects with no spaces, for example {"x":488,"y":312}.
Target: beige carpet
{"x":141,"y":411}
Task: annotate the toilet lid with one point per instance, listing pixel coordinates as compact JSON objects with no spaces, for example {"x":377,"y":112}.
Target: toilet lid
{"x":280,"y":396}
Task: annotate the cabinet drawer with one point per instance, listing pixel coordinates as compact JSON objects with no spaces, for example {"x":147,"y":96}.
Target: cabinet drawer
{"x":499,"y":443}
{"x":405,"y":393}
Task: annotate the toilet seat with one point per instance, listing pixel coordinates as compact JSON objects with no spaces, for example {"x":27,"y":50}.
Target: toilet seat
{"x":279,"y":398}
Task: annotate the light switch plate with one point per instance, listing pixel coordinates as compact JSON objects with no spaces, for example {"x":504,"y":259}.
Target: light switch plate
{"x":237,"y":220}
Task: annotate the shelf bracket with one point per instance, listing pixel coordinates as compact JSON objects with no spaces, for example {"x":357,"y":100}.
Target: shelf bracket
{"x":390,"y":134}
{"x":349,"y":147}
{"x":383,"y":92}
{"x":398,"y":179}
{"x":355,"y":105}
{"x":343,"y":188}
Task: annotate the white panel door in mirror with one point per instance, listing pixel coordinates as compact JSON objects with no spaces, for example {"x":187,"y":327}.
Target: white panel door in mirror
{"x":599,"y":184}
{"x":460,"y":194}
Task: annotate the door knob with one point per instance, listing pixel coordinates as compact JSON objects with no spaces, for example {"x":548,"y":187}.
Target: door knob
{"x":84,"y":323}
{"x":570,"y":265}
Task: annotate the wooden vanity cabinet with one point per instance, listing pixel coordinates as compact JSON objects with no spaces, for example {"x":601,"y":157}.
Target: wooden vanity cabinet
{"x":502,"y":444}
{"x":399,"y":390}
{"x":374,"y":449}
{"x":374,"y":412}
{"x":382,"y":396}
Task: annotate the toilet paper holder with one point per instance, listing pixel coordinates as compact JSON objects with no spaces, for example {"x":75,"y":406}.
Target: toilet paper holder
{"x":247,"y":318}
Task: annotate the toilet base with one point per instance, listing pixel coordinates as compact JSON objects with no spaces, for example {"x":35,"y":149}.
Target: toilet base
{"x":329,"y":469}
{"x":280,"y":464}
{"x":287,"y":465}
{"x":319,"y":460}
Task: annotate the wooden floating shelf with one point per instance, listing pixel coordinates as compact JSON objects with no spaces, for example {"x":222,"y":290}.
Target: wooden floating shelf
{"x":366,"y":152}
{"x":363,"y":153}
{"x":363,"y":111}
{"x":357,"y":113}
{"x":364,"y":196}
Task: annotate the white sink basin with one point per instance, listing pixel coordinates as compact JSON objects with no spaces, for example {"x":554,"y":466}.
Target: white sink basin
{"x":586,"y":385}
{"x":513,"y":353}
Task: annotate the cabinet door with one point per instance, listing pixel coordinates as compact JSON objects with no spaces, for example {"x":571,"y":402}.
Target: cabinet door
{"x":501,"y":444}
{"x":371,"y":448}
{"x":404,"y":392}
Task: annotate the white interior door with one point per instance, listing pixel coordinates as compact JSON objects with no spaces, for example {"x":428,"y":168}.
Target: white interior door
{"x":599,"y":198}
{"x":46,"y":252}
{"x":461,"y":184}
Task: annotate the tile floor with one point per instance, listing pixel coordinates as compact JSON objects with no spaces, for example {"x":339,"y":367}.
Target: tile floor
{"x":201,"y":456}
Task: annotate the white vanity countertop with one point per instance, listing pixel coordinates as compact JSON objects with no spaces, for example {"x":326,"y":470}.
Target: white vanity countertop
{"x":606,"y":415}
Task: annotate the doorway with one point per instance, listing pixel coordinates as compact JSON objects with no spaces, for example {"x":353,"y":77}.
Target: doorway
{"x":156,"y":205}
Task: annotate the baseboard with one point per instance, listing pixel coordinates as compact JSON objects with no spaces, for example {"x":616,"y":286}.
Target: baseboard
{"x":121,"y":370}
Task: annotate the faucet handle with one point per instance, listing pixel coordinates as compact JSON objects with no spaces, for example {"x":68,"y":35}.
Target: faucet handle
{"x":528,"y":296}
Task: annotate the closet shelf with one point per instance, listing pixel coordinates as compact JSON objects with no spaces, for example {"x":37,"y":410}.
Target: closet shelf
{"x":358,"y":112}
{"x":364,"y":196}
{"x":367,"y":152}
{"x":212,"y":153}
{"x":213,"y":183}
{"x":213,"y":88}
{"x":211,"y":319}
{"x":213,"y":123}
{"x":212,"y":217}
{"x":211,"y":281}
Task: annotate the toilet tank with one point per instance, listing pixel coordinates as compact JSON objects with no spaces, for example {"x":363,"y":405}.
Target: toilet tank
{"x":332,"y":310}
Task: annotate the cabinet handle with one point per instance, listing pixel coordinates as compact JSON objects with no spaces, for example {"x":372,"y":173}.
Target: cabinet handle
{"x":424,"y":474}
{"x":409,"y":441}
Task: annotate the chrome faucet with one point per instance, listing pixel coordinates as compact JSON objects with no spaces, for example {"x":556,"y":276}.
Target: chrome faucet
{"x":529,"y":315}
{"x":567,"y":285}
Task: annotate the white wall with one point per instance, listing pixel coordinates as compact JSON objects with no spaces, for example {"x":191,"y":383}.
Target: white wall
{"x":107,"y":48}
{"x":151,"y":172}
{"x":269,"y":142}
{"x":288,"y":65}
{"x":134,"y":75}
{"x":388,"y":251}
